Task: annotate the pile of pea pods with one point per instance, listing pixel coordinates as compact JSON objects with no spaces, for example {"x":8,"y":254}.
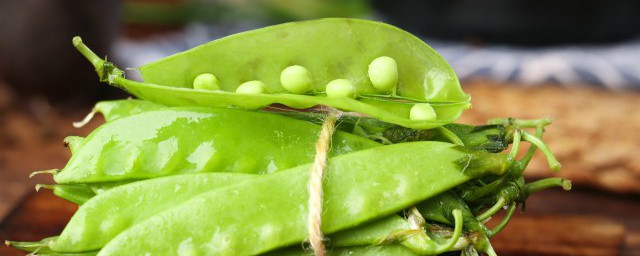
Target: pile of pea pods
{"x":213,"y":158}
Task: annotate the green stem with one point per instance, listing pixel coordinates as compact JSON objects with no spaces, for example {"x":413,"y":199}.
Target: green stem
{"x":521,"y":164}
{"x":551,"y":159}
{"x":491,"y":211}
{"x":457,"y":232}
{"x":540,"y":185}
{"x":106,"y":70}
{"x":505,"y":220}
{"x":517,"y":137}
{"x":96,"y":61}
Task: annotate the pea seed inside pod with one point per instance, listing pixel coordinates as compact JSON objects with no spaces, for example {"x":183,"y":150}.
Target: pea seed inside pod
{"x":422,"y":112}
{"x":296,"y":79}
{"x":206,"y":81}
{"x":252,"y":87}
{"x":383,"y":73}
{"x":340,"y":88}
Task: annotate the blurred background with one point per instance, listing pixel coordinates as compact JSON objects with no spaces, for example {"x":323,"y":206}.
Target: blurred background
{"x":575,"y":61}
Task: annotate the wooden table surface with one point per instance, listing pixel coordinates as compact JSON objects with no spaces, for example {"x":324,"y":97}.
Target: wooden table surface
{"x":584,"y":221}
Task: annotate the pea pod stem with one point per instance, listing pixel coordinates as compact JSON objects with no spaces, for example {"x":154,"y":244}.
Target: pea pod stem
{"x":554,"y":165}
{"x":540,"y":185}
{"x":106,"y":70}
{"x":517,"y":136}
{"x":504,"y":221}
{"x":96,"y":61}
{"x":522,"y":163}
{"x":493,"y":210}
{"x":457,"y":232}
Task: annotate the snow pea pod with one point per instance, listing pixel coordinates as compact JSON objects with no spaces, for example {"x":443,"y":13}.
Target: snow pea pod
{"x":270,"y":212}
{"x":172,"y":141}
{"x":329,"y":49}
{"x":493,"y":138}
{"x":108,"y":214}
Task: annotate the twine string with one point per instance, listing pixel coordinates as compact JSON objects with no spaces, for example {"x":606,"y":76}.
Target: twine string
{"x":316,"y":238}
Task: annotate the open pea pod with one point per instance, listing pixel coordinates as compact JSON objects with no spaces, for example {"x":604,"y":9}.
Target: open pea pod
{"x":328,"y":49}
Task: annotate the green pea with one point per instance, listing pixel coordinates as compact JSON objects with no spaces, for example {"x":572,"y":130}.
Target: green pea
{"x":383,"y":73}
{"x":422,"y":112}
{"x":252,"y":87}
{"x":206,"y":81}
{"x":296,"y":79}
{"x":340,"y":88}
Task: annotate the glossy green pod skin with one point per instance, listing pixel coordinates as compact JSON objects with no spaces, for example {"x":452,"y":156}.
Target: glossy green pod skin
{"x":329,"y":48}
{"x":359,"y":187}
{"x":174,"y":141}
{"x":156,"y":195}
{"x":114,"y":109}
{"x":493,"y":138}
{"x":106,"y":215}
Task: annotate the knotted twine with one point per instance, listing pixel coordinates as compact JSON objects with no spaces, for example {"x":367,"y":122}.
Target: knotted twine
{"x":316,"y":238}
